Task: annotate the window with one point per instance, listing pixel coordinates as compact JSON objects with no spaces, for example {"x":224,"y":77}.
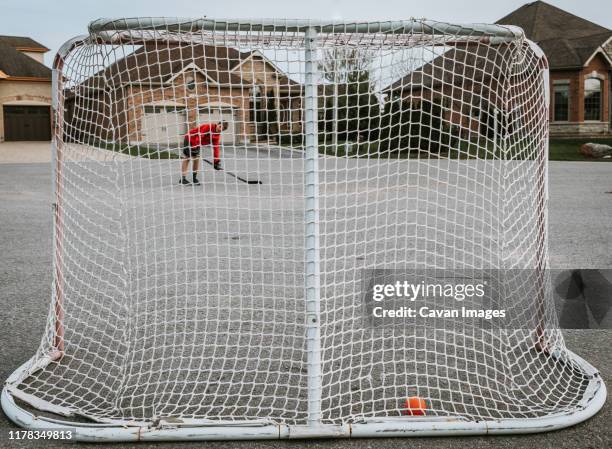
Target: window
{"x":561,"y":103}
{"x":592,"y":99}
{"x":191,"y":84}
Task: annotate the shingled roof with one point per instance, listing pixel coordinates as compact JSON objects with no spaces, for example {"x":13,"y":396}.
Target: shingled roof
{"x":567,"y":40}
{"x":456,"y":67}
{"x":14,"y":64}
{"x":23,"y":42}
{"x":150,"y":64}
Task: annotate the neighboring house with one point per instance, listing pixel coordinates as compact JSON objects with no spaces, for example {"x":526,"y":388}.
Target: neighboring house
{"x":25,"y":90}
{"x":158,"y":93}
{"x":580,"y":59}
{"x":464,"y":80}
{"x":579,"y":54}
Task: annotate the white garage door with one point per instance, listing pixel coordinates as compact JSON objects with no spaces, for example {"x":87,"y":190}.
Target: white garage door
{"x":164,"y":124}
{"x":216,"y":115}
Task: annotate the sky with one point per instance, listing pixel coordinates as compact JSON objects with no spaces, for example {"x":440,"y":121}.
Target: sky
{"x":52,"y":22}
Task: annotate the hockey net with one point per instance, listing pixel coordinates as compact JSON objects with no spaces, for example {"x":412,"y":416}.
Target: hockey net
{"x":396,"y":147}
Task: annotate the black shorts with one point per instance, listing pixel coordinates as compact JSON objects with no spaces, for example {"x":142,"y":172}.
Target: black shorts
{"x":189,"y":151}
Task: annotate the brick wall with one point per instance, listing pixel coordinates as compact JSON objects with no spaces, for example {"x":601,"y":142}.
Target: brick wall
{"x":203,"y":94}
{"x":576,"y":126}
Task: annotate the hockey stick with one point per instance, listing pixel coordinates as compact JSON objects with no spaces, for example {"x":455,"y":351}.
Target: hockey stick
{"x":240,"y":178}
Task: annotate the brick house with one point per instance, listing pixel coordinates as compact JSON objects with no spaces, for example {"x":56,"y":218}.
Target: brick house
{"x":464,"y":80}
{"x":580,"y":60}
{"x":579,"y":54}
{"x":25,"y":90}
{"x":158,"y":93}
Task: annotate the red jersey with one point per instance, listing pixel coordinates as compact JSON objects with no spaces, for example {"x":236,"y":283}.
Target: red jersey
{"x":204,"y":135}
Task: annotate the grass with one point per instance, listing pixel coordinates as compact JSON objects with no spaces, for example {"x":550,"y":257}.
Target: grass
{"x":559,"y":150}
{"x":145,"y":151}
{"x":568,"y":149}
{"x":466,"y":150}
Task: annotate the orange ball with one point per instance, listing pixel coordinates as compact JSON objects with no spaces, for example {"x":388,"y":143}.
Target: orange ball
{"x":414,"y":406}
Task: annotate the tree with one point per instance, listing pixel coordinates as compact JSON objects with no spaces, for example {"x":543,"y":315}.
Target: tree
{"x":349,"y":105}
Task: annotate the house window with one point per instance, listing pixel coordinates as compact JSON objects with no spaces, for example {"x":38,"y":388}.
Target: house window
{"x":191,"y":84}
{"x":592,"y":99}
{"x":561,"y":103}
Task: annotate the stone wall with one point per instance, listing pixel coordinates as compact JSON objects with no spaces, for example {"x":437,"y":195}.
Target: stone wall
{"x":586,"y":129}
{"x":576,"y":126}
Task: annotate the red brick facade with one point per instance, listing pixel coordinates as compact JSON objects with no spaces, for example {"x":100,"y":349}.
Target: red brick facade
{"x":598,"y":68}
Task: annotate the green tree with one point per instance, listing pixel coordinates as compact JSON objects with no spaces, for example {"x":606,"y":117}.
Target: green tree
{"x":349,"y":107}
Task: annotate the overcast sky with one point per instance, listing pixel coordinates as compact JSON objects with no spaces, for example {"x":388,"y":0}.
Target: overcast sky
{"x":52,"y":22}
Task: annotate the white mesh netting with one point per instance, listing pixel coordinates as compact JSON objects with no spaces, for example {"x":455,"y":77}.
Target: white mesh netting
{"x":189,"y":301}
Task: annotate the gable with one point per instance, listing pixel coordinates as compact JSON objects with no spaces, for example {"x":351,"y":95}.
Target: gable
{"x":599,"y":62}
{"x":257,"y":69}
{"x":191,"y":70}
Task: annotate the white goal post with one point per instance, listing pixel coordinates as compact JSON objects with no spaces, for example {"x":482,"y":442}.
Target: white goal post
{"x":242,"y":308}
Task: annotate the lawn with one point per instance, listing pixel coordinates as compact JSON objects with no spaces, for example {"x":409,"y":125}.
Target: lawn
{"x":145,"y":151}
{"x":559,"y":150}
{"x":568,"y":149}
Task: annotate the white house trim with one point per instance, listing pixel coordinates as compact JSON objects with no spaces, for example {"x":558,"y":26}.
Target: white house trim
{"x":27,"y":103}
{"x":596,"y":75}
{"x":265,"y":59}
{"x":165,"y":103}
{"x":216,"y":104}
{"x":191,"y":66}
{"x":600,"y":49}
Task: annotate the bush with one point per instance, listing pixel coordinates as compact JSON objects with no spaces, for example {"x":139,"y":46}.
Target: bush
{"x":420,"y":126}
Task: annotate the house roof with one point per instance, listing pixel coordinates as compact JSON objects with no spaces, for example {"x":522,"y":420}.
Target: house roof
{"x":455,"y":67}
{"x":568,"y":41}
{"x":18,"y":65}
{"x":23,"y":42}
{"x":150,"y":64}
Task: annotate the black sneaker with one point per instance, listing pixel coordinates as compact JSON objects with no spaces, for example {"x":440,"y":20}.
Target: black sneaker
{"x":184,"y":181}
{"x":196,"y":182}
{"x":217,"y":165}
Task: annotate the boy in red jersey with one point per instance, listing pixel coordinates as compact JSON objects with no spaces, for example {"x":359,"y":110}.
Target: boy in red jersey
{"x":205,"y":134}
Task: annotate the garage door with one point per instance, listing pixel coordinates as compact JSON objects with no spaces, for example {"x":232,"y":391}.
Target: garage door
{"x":27,"y":123}
{"x":216,"y":115}
{"x":164,"y":125}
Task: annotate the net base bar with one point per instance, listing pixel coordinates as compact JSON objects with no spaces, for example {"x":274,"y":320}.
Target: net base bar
{"x":195,"y":430}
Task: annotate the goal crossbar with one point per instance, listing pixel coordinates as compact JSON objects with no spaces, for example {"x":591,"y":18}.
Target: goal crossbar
{"x":427,"y":27}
